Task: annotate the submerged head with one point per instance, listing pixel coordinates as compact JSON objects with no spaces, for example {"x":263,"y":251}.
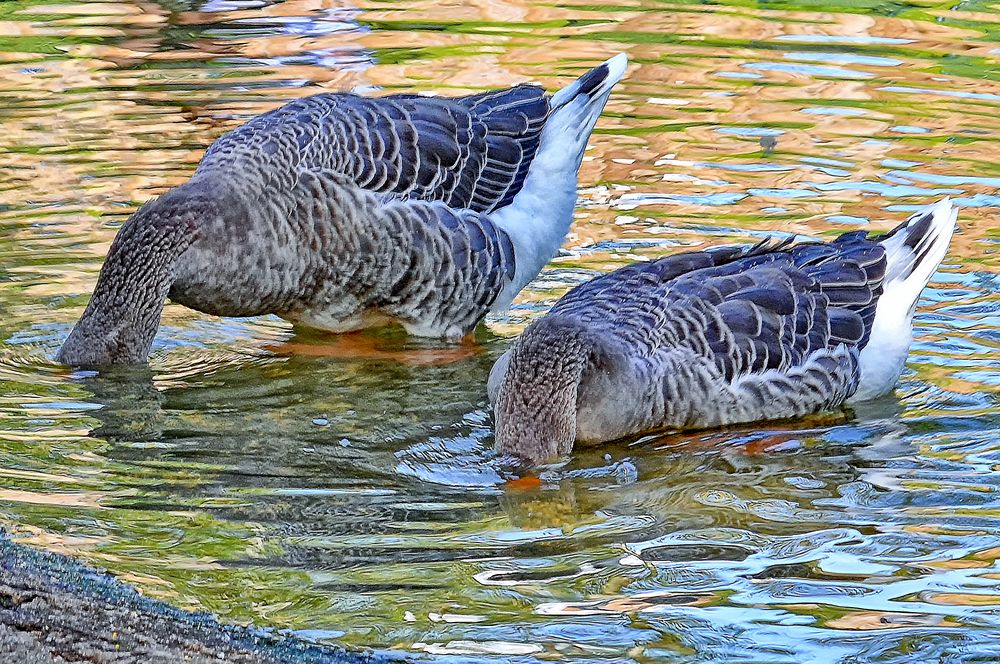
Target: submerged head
{"x":96,"y":342}
{"x":534,"y":390}
{"x":123,"y":314}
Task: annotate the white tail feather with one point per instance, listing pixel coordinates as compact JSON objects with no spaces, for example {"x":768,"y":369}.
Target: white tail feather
{"x":540,"y":215}
{"x":913,"y":252}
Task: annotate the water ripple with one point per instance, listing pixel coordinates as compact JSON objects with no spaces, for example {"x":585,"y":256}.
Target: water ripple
{"x":291,"y":479}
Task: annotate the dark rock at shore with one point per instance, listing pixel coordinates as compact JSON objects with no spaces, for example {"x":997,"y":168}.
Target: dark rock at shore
{"x":54,"y":609}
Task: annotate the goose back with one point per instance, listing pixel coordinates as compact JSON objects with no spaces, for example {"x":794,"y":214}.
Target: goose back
{"x":469,"y":152}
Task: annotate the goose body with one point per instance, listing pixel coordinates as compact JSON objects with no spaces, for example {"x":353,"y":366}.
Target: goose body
{"x":716,"y":337}
{"x":340,"y":212}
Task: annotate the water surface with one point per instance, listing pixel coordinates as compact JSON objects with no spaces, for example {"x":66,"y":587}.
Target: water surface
{"x":345,"y":488}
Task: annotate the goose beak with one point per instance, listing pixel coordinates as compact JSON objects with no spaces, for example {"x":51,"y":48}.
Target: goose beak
{"x":527,"y":483}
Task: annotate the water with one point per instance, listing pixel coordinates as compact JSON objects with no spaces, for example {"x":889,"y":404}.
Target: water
{"x":344,"y":487}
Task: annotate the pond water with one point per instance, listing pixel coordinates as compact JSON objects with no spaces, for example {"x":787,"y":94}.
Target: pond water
{"x":344,"y":487}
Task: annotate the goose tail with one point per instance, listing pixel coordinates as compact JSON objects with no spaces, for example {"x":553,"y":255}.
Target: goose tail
{"x":913,"y":252}
{"x":914,"y":249}
{"x":539,"y":216}
{"x":596,"y":82}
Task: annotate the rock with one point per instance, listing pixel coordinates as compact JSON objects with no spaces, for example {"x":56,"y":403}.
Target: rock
{"x":54,"y":610}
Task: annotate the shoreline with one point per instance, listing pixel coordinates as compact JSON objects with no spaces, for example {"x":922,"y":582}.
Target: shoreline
{"x":56,"y":609}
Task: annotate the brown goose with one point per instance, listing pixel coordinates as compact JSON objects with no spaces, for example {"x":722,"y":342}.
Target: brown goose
{"x":341,"y":212}
{"x":716,"y":337}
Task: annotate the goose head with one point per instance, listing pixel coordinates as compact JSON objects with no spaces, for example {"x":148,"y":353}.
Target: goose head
{"x":534,"y":388}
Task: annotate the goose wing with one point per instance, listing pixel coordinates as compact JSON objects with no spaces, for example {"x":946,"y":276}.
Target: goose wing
{"x":435,"y":268}
{"x":469,"y":152}
{"x":747,"y":311}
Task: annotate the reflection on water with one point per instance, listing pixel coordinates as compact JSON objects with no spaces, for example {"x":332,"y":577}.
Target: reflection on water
{"x":344,"y":487}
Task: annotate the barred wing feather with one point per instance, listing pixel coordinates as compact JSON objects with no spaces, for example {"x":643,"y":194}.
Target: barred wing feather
{"x":469,"y":152}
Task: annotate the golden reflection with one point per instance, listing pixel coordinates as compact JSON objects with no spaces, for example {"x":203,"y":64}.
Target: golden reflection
{"x":868,"y":620}
{"x":66,"y":499}
{"x":366,"y":346}
{"x":645,"y":601}
{"x":963,"y":599}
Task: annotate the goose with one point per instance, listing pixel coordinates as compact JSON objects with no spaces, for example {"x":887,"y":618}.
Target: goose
{"x":341,"y":212}
{"x":722,"y":336}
